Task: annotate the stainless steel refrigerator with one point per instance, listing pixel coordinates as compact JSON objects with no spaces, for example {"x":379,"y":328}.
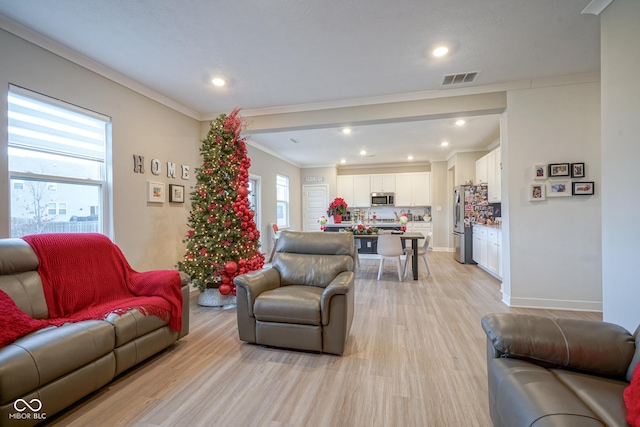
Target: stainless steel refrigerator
{"x":470,"y":206}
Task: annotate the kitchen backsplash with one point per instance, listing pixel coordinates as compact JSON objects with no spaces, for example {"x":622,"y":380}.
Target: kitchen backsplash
{"x":414,"y":213}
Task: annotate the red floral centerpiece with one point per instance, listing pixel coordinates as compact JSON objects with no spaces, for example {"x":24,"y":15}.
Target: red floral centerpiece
{"x":362,"y":229}
{"x":337,"y":208}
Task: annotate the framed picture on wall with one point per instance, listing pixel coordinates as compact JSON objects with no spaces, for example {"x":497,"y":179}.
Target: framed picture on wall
{"x":583,"y":188}
{"x":577,"y":170}
{"x":539,"y":171}
{"x":176,"y":193}
{"x":537,"y":192}
{"x":155,"y":192}
{"x":559,"y":188}
{"x":559,"y":169}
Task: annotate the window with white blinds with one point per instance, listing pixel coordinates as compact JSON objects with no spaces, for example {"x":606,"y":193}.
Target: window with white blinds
{"x":282,"y":202}
{"x":58,"y":156}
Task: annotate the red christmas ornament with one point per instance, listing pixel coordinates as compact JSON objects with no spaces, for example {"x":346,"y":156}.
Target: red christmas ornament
{"x":233,"y":291}
{"x":243,"y":191}
{"x":224,"y":289}
{"x":230,"y":267}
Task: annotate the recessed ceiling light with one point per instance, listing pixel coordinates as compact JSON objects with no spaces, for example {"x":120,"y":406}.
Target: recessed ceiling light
{"x":440,"y":51}
{"x":460,"y":122}
{"x":444,"y":143}
{"x":343,"y":161}
{"x":410,"y":157}
{"x":363,"y":152}
{"x":218,"y":82}
{"x":346,"y":131}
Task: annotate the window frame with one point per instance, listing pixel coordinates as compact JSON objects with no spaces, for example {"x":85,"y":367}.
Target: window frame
{"x":282,"y":202}
{"x":104,"y":184}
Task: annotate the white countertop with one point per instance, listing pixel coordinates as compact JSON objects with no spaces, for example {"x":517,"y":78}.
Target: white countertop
{"x":377,"y":224}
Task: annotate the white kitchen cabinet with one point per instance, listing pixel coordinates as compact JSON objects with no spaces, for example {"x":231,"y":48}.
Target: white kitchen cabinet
{"x":344,"y":188}
{"x":492,"y":251}
{"x":413,"y":189}
{"x":499,"y":244}
{"x":494,"y":175}
{"x":481,"y":170}
{"x":423,"y":227}
{"x":361,"y":191}
{"x":355,"y":190}
{"x":421,"y":189}
{"x":403,"y":189}
{"x":487,"y":249}
{"x":480,"y":245}
{"x":383,"y":183}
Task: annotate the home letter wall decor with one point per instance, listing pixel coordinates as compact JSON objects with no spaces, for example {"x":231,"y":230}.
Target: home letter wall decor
{"x":155,"y":166}
{"x":138,"y":163}
{"x":171,"y":170}
{"x":185,"y":172}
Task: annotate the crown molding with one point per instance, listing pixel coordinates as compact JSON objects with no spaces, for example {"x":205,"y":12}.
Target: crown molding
{"x":596,"y":7}
{"x":56,"y":48}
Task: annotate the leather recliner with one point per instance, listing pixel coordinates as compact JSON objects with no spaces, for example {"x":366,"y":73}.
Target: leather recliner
{"x":305,"y":301}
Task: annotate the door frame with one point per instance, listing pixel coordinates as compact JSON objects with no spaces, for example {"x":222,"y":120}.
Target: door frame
{"x":305,"y":213}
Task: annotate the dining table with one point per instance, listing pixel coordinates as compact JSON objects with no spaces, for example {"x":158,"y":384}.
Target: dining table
{"x":414,"y":236}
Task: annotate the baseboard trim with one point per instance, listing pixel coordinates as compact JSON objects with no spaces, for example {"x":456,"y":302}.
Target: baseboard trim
{"x":551,"y":304}
{"x":442,"y":249}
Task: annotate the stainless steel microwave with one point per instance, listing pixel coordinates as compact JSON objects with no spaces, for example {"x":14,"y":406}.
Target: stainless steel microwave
{"x":383,"y":199}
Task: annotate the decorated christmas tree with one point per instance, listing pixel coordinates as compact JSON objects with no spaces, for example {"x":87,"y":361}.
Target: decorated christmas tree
{"x":222,"y":240}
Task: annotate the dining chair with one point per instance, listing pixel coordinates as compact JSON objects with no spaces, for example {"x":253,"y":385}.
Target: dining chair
{"x":422,"y":253}
{"x":390,"y":246}
{"x":276,"y":236}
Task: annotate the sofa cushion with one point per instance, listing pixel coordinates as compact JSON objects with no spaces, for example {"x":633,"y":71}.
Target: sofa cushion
{"x":50,"y":353}
{"x":530,"y":395}
{"x":298,"y":304}
{"x":132,"y":325}
{"x":594,"y":346}
{"x":602,"y":395}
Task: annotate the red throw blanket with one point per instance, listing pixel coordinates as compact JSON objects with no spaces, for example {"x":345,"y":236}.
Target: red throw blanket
{"x":14,"y":322}
{"x":85,"y":276}
{"x":632,"y":399}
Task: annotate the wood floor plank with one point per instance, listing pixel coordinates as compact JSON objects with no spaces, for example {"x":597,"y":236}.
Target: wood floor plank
{"x":415,"y":357}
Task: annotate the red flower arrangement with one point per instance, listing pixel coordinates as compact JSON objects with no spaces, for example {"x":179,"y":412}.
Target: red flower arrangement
{"x":337,"y":207}
{"x":362,"y":229}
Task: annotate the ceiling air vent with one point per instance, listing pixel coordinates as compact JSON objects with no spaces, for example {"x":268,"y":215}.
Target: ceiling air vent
{"x":455,"y":79}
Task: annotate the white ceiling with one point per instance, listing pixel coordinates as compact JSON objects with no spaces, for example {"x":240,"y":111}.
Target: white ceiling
{"x":286,"y":55}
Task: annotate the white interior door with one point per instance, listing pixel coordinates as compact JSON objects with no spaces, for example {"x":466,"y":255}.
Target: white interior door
{"x":314,"y":204}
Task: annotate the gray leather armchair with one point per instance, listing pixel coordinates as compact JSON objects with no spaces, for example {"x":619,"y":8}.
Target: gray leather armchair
{"x":306,"y":300}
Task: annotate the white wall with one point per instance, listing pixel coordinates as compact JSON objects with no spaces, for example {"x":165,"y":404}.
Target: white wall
{"x":555,"y":245}
{"x":150,"y":236}
{"x":440,"y":199}
{"x":620,"y":55}
{"x":267,"y":167}
{"x":464,"y":165}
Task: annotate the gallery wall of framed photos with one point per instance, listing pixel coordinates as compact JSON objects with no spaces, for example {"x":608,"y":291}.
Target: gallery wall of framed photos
{"x":559,"y":180}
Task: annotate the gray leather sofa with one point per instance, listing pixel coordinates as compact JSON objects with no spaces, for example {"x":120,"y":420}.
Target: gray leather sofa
{"x":306,"y":300}
{"x":557,"y":372}
{"x":56,"y":366}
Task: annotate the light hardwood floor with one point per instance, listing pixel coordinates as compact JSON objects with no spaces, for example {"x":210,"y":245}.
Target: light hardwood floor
{"x":415,"y":357}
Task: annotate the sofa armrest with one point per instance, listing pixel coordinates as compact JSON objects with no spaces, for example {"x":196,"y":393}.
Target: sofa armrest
{"x":585,"y":345}
{"x":257,"y":282}
{"x":340,"y":285}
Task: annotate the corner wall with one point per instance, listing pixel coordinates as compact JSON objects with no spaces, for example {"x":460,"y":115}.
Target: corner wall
{"x":149,"y":235}
{"x":620,"y":60}
{"x":555,"y":245}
